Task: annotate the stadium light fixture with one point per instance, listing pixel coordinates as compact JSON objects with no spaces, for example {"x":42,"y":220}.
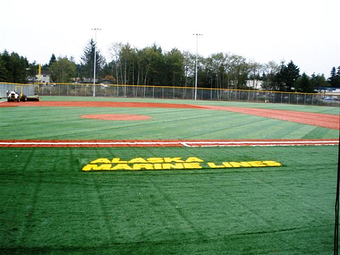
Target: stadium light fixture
{"x":197,"y":35}
{"x":95,"y":60}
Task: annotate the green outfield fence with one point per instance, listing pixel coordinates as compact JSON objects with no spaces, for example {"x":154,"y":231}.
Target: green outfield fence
{"x":173,"y":92}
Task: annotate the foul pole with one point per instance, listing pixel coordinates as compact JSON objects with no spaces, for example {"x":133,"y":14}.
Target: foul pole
{"x":95,"y":60}
{"x":197,"y":35}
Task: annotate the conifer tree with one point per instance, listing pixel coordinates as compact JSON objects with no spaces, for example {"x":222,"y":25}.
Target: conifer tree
{"x":87,"y":60}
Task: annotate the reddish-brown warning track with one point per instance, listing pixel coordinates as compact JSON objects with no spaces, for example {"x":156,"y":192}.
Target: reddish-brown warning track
{"x":165,"y":143}
{"x":96,"y":104}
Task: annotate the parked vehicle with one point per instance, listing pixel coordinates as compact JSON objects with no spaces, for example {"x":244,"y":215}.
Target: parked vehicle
{"x":13,"y":96}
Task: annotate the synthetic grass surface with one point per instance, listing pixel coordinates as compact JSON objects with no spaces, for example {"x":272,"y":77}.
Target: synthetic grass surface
{"x":48,"y":206}
{"x":65,"y":123}
{"x":289,"y":107}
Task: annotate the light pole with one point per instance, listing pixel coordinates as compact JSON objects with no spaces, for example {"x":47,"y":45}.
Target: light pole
{"x":95,"y":60}
{"x":197,"y":35}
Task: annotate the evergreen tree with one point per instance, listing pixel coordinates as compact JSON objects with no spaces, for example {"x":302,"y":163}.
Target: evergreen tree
{"x":87,"y":61}
{"x":52,"y":60}
{"x":174,"y":68}
{"x":287,"y":76}
{"x":303,"y":84}
{"x":8,"y":66}
{"x":32,"y":70}
{"x":15,"y":67}
{"x":318,"y":81}
{"x":4,"y":75}
{"x":334,"y":80}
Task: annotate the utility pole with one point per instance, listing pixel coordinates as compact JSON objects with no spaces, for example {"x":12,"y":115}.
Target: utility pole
{"x":197,"y":35}
{"x":95,"y":60}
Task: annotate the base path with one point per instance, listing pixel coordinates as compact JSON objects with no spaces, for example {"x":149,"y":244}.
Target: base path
{"x":164,"y":143}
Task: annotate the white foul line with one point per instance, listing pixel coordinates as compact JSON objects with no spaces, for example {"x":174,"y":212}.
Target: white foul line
{"x":176,"y":143}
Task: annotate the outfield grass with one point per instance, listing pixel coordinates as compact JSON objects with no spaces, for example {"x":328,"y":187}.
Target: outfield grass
{"x":49,"y":206}
{"x":66,"y":123}
{"x":289,"y":107}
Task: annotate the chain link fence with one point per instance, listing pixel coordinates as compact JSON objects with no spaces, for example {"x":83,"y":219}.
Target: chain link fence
{"x":165,"y":92}
{"x":25,"y":89}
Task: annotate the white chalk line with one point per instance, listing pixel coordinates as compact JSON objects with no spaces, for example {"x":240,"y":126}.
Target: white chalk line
{"x":258,"y":143}
{"x":263,"y":142}
{"x":179,"y":143}
{"x":261,"y":145}
{"x":90,"y":143}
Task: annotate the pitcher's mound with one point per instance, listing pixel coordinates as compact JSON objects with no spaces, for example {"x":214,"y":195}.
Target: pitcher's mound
{"x":116,"y":117}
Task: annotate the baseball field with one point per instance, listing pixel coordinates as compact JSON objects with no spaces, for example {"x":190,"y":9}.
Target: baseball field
{"x":83,"y":175}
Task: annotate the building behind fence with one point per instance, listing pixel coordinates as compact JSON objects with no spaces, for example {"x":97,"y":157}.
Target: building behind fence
{"x":169,"y":92}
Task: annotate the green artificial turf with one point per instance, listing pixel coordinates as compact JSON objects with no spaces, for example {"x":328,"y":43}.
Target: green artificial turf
{"x":66,"y":123}
{"x":288,"y":107}
{"x":49,"y":206}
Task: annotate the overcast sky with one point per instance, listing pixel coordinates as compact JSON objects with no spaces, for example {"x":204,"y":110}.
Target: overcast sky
{"x":305,"y":31}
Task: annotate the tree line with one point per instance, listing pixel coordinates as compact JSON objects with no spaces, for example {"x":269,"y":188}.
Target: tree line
{"x":15,"y":68}
{"x":153,"y":66}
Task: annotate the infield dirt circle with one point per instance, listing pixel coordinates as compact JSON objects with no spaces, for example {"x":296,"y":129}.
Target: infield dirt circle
{"x":121,"y":117}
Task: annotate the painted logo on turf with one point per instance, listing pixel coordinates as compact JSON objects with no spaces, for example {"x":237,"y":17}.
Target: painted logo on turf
{"x":169,"y":163}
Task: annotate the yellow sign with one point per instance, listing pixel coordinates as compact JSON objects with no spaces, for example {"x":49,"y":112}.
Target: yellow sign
{"x":168,"y":163}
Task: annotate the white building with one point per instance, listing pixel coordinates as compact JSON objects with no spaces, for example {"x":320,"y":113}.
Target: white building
{"x":44,"y":78}
{"x":255,"y":84}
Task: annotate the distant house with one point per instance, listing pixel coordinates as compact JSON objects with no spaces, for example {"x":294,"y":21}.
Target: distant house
{"x":255,"y":84}
{"x":98,"y":81}
{"x":44,"y":78}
